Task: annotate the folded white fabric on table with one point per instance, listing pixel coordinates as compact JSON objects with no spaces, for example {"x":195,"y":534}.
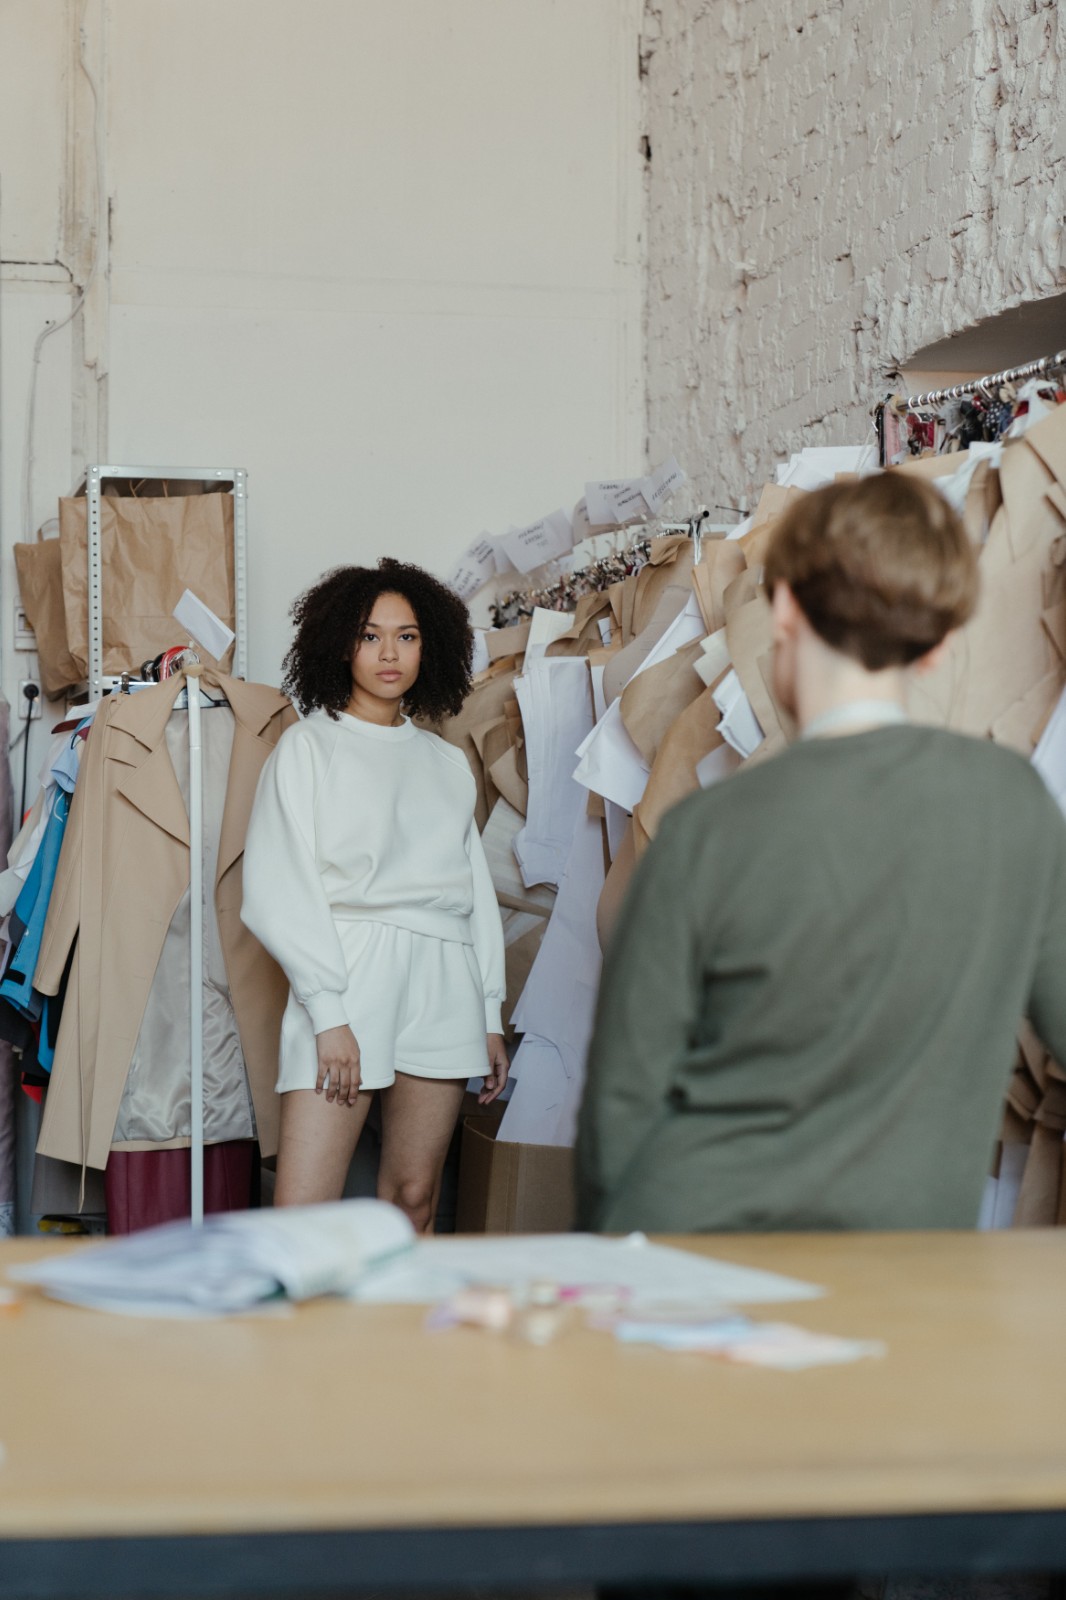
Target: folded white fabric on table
{"x":232,"y":1262}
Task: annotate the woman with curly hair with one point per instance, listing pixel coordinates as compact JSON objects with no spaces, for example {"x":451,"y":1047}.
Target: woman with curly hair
{"x":365,"y":878}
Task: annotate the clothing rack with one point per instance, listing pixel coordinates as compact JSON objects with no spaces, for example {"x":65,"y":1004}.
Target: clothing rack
{"x":96,"y":475}
{"x":989,"y":384}
{"x":598,"y":575}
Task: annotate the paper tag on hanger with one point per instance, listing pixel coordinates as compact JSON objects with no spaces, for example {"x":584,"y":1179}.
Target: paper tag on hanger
{"x":629,"y":501}
{"x":474,"y":568}
{"x":202,"y":625}
{"x":599,"y":502}
{"x":539,"y":542}
{"x":659,"y":485}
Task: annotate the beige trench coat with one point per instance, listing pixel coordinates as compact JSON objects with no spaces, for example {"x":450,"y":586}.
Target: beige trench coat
{"x":123,"y":869}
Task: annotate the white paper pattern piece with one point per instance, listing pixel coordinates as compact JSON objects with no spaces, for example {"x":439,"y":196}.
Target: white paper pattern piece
{"x":556,"y":705}
{"x":538,"y":542}
{"x":203,"y":626}
{"x":481,"y":661}
{"x":557,"y":1005}
{"x":652,"y":1273}
{"x":721,"y":763}
{"x":741,"y":528}
{"x":609,"y":762}
{"x":715,"y":658}
{"x":819,"y":464}
{"x":739,"y":726}
{"x":474,"y":568}
{"x":1049,"y":757}
{"x":544,"y":628}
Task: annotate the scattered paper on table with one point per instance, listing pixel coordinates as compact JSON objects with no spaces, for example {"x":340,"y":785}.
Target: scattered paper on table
{"x":651,"y":1273}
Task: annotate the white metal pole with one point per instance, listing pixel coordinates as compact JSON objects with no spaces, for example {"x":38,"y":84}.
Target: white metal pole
{"x":196,"y":939}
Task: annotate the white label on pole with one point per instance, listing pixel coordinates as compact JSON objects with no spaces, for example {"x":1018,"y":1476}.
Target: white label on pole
{"x":202,"y":625}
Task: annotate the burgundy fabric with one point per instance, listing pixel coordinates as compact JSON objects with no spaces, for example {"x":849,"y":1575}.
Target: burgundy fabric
{"x":146,"y":1187}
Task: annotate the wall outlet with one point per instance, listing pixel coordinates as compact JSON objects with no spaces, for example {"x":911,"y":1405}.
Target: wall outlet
{"x":29,"y":707}
{"x":25,"y":638}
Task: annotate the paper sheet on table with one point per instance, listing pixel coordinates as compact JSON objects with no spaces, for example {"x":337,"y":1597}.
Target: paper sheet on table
{"x":1049,"y":757}
{"x":539,"y":541}
{"x":652,"y":1273}
{"x":475,"y":567}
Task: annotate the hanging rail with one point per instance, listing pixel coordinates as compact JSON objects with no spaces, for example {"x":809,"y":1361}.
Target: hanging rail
{"x":1031,"y":369}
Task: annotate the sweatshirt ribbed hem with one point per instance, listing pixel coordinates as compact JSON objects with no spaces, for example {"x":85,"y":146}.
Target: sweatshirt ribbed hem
{"x":326,"y":1010}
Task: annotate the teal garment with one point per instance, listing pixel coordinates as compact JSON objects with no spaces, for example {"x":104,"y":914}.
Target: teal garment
{"x":808,"y":1011}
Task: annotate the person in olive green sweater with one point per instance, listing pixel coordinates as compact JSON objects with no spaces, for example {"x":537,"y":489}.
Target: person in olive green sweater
{"x":808,"y":1009}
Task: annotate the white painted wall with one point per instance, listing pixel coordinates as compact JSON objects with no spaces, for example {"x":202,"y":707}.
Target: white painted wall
{"x":385,"y":256}
{"x":833,"y":187}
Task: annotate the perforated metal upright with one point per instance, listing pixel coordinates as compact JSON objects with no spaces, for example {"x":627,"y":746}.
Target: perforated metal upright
{"x":95,"y":477}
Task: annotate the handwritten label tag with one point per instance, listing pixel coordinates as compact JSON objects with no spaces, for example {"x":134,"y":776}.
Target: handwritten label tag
{"x":474,"y":568}
{"x":539,"y":542}
{"x":599,"y":502}
{"x":661,"y":484}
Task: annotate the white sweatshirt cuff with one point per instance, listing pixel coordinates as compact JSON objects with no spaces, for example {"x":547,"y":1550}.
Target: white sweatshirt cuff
{"x":493,"y":1016}
{"x":326,"y":1010}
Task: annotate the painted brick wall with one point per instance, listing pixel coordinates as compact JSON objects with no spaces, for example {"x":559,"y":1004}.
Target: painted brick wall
{"x":831,"y":188}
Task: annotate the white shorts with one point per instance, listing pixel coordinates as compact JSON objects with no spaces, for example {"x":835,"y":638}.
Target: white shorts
{"x":415,"y":1004}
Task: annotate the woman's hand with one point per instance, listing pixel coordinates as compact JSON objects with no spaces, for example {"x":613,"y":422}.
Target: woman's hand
{"x":338,"y":1057}
{"x":499,"y":1066}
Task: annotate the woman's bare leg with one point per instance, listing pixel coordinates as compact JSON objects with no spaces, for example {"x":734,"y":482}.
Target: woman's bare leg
{"x":418,"y":1117}
{"x":316,"y":1142}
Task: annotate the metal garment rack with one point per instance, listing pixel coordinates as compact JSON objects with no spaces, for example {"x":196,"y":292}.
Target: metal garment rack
{"x":988,"y":384}
{"x":94,"y":479}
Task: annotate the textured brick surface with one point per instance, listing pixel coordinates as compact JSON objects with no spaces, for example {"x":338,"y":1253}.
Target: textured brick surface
{"x":833,"y":187}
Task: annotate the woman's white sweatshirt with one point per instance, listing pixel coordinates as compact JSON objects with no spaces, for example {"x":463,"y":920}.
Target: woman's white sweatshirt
{"x":355,"y":821}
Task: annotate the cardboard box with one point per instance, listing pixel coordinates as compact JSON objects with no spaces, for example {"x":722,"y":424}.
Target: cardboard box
{"x":511,"y":1188}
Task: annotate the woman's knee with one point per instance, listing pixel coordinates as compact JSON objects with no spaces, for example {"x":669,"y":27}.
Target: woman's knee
{"x":415,"y":1197}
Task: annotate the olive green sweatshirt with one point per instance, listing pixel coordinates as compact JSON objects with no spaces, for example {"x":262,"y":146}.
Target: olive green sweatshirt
{"x":808,"y":1010}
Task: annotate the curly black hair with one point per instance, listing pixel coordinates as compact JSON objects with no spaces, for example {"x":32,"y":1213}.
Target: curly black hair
{"x":331,"y":615}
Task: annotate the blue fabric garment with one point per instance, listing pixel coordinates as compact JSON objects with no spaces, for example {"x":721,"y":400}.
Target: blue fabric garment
{"x":65,"y":767}
{"x":31,"y":908}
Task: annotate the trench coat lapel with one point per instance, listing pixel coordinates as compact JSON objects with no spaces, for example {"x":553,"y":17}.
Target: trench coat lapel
{"x":255,"y":706}
{"x":138,"y":744}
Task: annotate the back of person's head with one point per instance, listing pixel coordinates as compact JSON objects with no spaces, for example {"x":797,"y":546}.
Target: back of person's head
{"x":881,"y":568}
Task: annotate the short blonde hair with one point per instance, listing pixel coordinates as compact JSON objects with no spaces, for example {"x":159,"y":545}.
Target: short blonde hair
{"x":881,"y":568}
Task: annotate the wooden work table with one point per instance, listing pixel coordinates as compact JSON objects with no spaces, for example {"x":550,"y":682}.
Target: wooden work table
{"x":368,"y":1451}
